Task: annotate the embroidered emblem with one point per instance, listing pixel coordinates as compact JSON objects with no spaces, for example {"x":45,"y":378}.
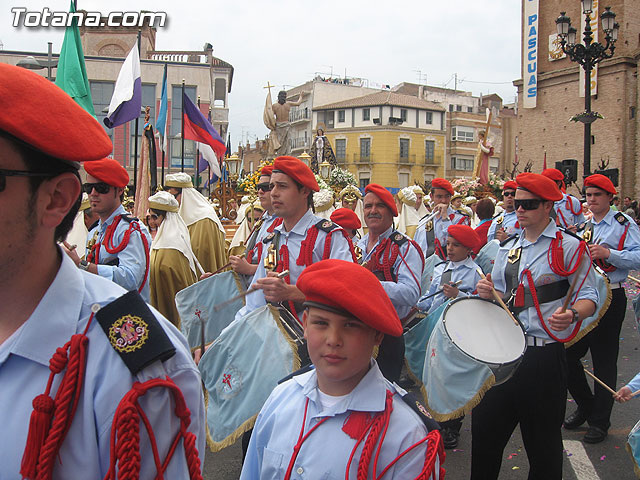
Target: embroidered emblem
{"x":201,"y":313}
{"x":128,"y":333}
{"x":326,"y":224}
{"x":499,"y":220}
{"x":514,"y":255}
{"x":230,"y":384}
{"x":398,"y":237}
{"x":621,"y":219}
{"x":433,"y":352}
{"x":429,"y":226}
{"x":423,"y":410}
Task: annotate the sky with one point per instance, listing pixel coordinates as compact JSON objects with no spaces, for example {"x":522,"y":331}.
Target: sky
{"x":288,"y":42}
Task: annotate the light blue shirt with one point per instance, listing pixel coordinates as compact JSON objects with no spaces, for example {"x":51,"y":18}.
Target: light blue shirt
{"x":131,"y":267}
{"x":440,"y":227}
{"x":509,"y":221}
{"x":24,"y":370}
{"x":408,"y":267}
{"x":293,"y":239}
{"x":325,"y":452}
{"x":465,"y":271}
{"x":534,"y":258}
{"x":634,"y":384}
{"x":565,"y":216}
{"x":608,"y":232}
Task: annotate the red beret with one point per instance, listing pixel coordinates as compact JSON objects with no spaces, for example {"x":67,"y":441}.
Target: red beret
{"x":553,"y":174}
{"x":43,"y":116}
{"x":346,"y":218}
{"x":510,"y":185}
{"x":443,"y":184}
{"x":384,"y":195}
{"x":466,"y":235}
{"x":337,"y":285}
{"x":600,"y":181}
{"x":266,"y":170}
{"x":108,"y":171}
{"x":296,"y":169}
{"x":540,"y":186}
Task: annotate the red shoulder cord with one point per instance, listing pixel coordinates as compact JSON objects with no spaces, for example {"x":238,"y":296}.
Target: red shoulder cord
{"x":375,"y":432}
{"x":94,"y":254}
{"x":570,"y":206}
{"x":125,"y":434}
{"x":383,"y":258}
{"x":555,"y":258}
{"x":607,"y":267}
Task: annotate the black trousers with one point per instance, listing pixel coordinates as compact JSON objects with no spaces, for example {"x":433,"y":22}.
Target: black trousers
{"x":604,"y":342}
{"x":391,"y":357}
{"x":535,"y":398}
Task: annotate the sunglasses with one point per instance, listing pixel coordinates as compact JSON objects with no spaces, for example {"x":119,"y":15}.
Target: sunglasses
{"x":529,"y":204}
{"x":265,"y":187}
{"x":20,"y":173}
{"x":509,"y":194}
{"x":100,"y":187}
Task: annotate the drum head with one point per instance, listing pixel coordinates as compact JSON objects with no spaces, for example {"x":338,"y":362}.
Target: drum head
{"x":483,"y":330}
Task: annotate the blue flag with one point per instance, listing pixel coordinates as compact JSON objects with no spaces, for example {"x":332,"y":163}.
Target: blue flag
{"x":161,"y":123}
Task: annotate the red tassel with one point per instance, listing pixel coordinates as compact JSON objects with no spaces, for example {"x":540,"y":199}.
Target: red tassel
{"x":39,"y":425}
{"x":519,"y":300}
{"x":356,"y":424}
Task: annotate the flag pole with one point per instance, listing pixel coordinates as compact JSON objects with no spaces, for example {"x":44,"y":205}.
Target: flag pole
{"x":135,"y":146}
{"x":196,"y":163}
{"x":182,"y":136}
{"x":165,"y":128}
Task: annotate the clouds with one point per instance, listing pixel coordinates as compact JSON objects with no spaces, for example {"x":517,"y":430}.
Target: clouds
{"x":286,"y":42}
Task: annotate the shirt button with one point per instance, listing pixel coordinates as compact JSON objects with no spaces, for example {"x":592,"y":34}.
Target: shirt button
{"x":300,"y":470}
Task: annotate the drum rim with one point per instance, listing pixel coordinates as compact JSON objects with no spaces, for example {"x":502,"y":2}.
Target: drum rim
{"x":484,"y":362}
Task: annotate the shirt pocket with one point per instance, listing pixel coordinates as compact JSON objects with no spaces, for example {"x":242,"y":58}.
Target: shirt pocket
{"x":272,"y":464}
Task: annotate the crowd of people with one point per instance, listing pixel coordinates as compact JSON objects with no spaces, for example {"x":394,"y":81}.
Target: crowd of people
{"x":99,"y":381}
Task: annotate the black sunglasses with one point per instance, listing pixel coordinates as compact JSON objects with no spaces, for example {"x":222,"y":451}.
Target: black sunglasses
{"x":20,"y":173}
{"x":509,"y":194}
{"x":528,"y":204}
{"x":100,"y":187}
{"x":265,"y":187}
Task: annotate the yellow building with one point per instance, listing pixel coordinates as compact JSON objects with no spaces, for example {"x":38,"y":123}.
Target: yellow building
{"x":386,"y":138}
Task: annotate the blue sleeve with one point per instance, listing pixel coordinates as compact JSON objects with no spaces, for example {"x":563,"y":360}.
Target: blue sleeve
{"x":629,"y":257}
{"x":406,"y":291}
{"x":491,"y":234}
{"x":132,"y":261}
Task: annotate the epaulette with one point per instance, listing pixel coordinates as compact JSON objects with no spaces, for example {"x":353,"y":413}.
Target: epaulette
{"x":620,"y":218}
{"x":464,"y":214}
{"x":94,"y":225}
{"x":300,"y":371}
{"x":269,"y":238}
{"x":570,"y":233}
{"x":326,"y":226}
{"x":413,"y":401}
{"x":134,"y":332}
{"x":440,"y":263}
{"x":129,"y":219}
{"x":508,"y":239}
{"x":398,"y":238}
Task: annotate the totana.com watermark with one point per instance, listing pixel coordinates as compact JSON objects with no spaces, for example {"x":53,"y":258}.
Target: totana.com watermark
{"x":46,"y":18}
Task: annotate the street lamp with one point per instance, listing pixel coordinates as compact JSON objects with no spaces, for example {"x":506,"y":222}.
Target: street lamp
{"x":588,"y":56}
{"x":325,"y":169}
{"x":31,"y":63}
{"x":305,"y":158}
{"x":233,"y":166}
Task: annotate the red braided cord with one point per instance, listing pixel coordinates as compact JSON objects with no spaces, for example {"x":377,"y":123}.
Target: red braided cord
{"x":306,"y":247}
{"x":327,"y":246}
{"x":274,"y":224}
{"x":380,"y":422}
{"x":570,"y":206}
{"x":606,"y":266}
{"x":435,"y":447}
{"x":301,"y":438}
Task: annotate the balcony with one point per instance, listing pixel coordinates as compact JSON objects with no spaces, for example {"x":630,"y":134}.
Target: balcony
{"x":407,"y":159}
{"x":359,"y":158}
{"x":298,"y":143}
{"x":299,"y":115}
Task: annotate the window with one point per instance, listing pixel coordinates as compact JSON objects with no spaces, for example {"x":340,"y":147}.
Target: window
{"x":341,"y":148}
{"x":462,"y":134}
{"x":366,"y":114}
{"x":462,"y":163}
{"x":326,"y":118}
{"x":451,"y":108}
{"x":403,"y":114}
{"x":341,"y":116}
{"x":429,"y":151}
{"x":458,"y":108}
{"x":364,"y":179}
{"x":404,"y":148}
{"x":148,"y":99}
{"x":101,"y":93}
{"x":220,"y":90}
{"x":470,"y":109}
{"x":176,"y":127}
{"x":403,"y":180}
{"x":365,"y":148}
{"x":429,"y":118}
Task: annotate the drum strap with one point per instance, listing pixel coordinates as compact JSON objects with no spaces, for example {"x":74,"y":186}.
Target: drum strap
{"x":431,"y":243}
{"x":446,"y":277}
{"x":546,"y":293}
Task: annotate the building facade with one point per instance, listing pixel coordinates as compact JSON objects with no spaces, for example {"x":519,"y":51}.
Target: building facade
{"x":559,"y":95}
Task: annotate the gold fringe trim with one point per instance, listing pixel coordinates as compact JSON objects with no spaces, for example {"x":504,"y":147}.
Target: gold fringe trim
{"x":248,"y":424}
{"x":466,"y":408}
{"x":417,"y":381}
{"x":636,"y":469}
{"x":596,"y":322}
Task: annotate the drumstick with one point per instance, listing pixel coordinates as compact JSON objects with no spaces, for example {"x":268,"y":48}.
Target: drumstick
{"x":635,"y":280}
{"x":227,"y":265}
{"x":453,"y":284}
{"x":499,"y":299}
{"x":607,"y":387}
{"x":219,"y":307}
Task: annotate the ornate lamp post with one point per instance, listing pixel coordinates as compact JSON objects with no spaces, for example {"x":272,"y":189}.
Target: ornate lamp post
{"x":306,"y":158}
{"x":588,"y":56}
{"x":325,"y":169}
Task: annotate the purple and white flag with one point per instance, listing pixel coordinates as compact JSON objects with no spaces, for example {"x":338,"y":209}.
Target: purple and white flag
{"x":126,"y":101}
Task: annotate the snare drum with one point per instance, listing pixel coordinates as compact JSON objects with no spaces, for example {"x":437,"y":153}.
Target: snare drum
{"x":474,"y":346}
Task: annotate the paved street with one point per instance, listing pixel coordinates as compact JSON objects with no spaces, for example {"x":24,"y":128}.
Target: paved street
{"x":607,"y":460}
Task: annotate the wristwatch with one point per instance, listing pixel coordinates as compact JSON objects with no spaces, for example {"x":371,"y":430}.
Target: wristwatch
{"x":576,"y":315}
{"x":83,"y":265}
